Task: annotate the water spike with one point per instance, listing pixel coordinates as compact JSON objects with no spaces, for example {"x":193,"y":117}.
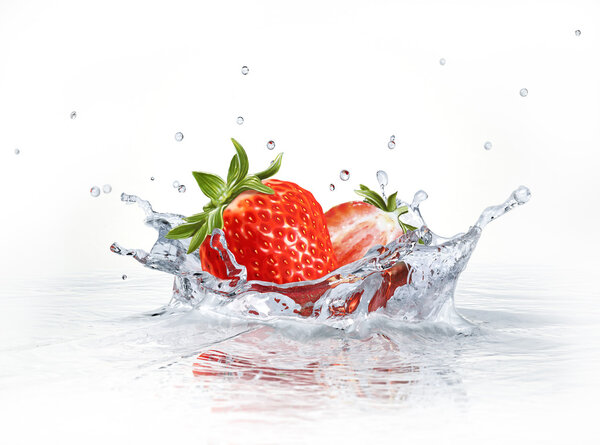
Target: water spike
{"x":133,"y":199}
{"x":419,"y":197}
{"x":518,"y":197}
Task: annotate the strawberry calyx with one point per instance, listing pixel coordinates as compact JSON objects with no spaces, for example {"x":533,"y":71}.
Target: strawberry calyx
{"x":221,"y":193}
{"x":390,"y":205}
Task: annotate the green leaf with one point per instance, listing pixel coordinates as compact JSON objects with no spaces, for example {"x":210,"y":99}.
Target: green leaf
{"x":364,"y":187}
{"x":252,"y":183}
{"x":272,"y":170}
{"x":184,"y":230}
{"x":198,"y":238}
{"x":402,"y":210}
{"x":234,"y":170}
{"x":211,"y":185}
{"x":215,"y":219}
{"x":376,"y":199}
{"x":198,"y":217}
{"x":242,"y":159}
{"x":370,"y":201}
{"x":391,"y":202}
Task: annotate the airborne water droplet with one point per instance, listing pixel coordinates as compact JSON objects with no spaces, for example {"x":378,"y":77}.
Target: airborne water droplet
{"x":17,"y":151}
{"x":578,"y":33}
{"x":442,"y":61}
{"x":95,"y":191}
{"x":175,"y":184}
{"x":524,"y":92}
{"x":487,"y":145}
{"x":344,"y":175}
{"x":522,"y":195}
{"x":73,"y":114}
{"x":271,"y":145}
{"x":240,"y":120}
{"x":331,"y":187}
{"x":392,"y":143}
{"x":181,"y":188}
{"x":107,"y":188}
{"x":245,"y":70}
{"x":151,"y":178}
{"x":124,"y":277}
{"x":382,"y":178}
{"x":179,"y":136}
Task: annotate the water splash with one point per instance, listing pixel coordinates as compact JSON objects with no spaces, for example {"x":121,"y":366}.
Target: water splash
{"x":519,"y":197}
{"x":412,"y":279}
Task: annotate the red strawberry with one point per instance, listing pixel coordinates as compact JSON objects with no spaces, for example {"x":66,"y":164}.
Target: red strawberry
{"x":274,"y":228}
{"x":357,"y":226}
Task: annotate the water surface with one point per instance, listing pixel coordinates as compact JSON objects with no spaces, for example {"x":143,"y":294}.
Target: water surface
{"x":83,"y":351}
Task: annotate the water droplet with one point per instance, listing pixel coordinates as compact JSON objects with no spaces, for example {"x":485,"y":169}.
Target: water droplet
{"x":17,"y":151}
{"x":487,"y":145}
{"x":240,"y":120}
{"x":524,"y":92}
{"x":344,"y":175}
{"x":271,"y":145}
{"x":427,"y":237}
{"x":175,"y":184}
{"x":418,"y":198}
{"x":73,"y":114}
{"x":382,"y":178}
{"x":151,"y":178}
{"x":95,"y":191}
{"x":442,"y":61}
{"x":391,"y":145}
{"x":179,"y":136}
{"x":181,"y":188}
{"x":245,"y":70}
{"x":578,"y":33}
{"x":107,"y":188}
{"x":522,"y":195}
{"x":124,"y":277}
{"x":331,"y":187}
{"x":392,"y":138}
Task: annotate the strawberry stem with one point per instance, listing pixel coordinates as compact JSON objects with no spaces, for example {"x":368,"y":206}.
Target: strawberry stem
{"x":391,"y":206}
{"x":221,"y":194}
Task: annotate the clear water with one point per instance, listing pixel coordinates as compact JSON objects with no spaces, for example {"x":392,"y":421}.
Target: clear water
{"x":92,"y":348}
{"x":516,"y":358}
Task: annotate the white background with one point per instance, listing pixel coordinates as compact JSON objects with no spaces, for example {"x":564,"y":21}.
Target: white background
{"x":329,"y":82}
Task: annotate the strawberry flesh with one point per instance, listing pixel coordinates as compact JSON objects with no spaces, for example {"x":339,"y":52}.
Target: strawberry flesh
{"x":357,"y":226}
